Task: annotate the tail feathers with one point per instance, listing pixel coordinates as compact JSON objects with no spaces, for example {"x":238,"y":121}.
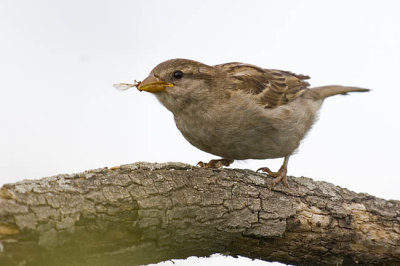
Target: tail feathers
{"x":327,"y":91}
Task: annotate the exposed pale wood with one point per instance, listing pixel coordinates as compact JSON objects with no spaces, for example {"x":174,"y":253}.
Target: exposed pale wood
{"x":145,"y":213}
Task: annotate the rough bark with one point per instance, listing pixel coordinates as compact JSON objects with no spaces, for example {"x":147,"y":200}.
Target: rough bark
{"x":145,"y":213}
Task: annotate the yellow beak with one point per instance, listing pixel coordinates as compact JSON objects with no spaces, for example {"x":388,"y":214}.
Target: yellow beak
{"x":153,"y":84}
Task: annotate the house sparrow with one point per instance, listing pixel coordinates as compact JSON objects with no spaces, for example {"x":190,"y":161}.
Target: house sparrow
{"x":239,"y":111}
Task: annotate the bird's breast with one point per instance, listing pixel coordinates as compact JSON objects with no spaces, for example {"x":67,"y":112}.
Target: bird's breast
{"x":244,"y":130}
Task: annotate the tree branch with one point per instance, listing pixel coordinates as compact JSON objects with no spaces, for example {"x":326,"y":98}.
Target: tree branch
{"x":146,"y":213}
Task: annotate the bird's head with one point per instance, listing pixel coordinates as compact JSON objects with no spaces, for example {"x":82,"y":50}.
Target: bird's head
{"x":178,"y":82}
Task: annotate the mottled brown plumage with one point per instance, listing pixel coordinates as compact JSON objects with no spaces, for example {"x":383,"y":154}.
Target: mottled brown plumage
{"x":239,"y":111}
{"x":274,"y":87}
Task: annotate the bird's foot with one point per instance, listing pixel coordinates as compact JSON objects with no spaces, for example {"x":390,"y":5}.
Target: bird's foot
{"x":279,"y":177}
{"x":215,"y":163}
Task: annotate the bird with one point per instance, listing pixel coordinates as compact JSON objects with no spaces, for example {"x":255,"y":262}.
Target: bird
{"x":239,"y":111}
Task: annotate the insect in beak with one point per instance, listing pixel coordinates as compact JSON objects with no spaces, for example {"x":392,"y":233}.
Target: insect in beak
{"x":127,"y":86}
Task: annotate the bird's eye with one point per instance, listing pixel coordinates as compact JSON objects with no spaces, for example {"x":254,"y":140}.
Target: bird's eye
{"x":178,"y":74}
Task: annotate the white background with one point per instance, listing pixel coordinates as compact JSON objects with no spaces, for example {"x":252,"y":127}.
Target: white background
{"x":60,"y":114}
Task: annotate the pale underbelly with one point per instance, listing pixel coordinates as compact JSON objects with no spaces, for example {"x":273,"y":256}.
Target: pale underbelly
{"x":240,"y":147}
{"x":251,"y":134}
{"x":240,"y":142}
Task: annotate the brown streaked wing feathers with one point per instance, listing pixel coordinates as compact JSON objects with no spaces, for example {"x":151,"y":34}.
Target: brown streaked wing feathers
{"x":272,"y":87}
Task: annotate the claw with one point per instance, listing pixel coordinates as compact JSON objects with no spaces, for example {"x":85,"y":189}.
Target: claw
{"x":201,"y":164}
{"x":215,"y":163}
{"x":280,"y":176}
{"x":268,"y":171}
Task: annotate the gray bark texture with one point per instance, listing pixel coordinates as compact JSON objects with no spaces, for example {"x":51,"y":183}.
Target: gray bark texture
{"x":146,"y":213}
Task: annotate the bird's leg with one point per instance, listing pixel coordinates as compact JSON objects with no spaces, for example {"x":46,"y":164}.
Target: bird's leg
{"x":215,"y":163}
{"x":280,"y":176}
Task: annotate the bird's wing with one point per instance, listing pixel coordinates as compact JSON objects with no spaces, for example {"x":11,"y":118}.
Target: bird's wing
{"x":270,"y":87}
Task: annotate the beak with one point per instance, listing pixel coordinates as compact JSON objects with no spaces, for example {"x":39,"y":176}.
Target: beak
{"x":153,"y":84}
